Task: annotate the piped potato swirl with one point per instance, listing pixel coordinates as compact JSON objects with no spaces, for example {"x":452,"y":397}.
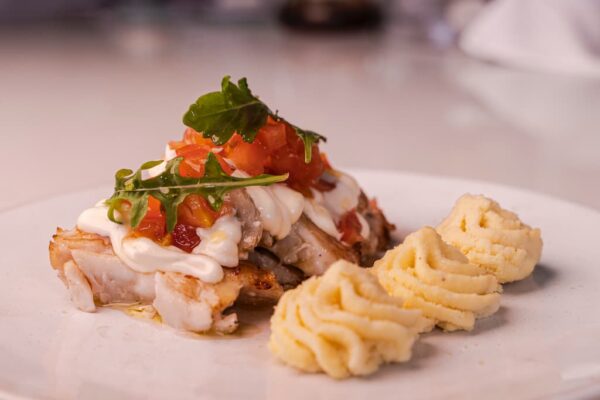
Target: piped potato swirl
{"x":343,"y":323}
{"x":438,"y":279}
{"x":492,"y":237}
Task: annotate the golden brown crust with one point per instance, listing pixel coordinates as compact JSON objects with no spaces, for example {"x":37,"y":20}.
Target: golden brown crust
{"x":258,"y":286}
{"x":63,"y":242}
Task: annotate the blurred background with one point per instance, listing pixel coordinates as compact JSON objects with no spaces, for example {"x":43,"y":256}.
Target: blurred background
{"x":505,"y":91}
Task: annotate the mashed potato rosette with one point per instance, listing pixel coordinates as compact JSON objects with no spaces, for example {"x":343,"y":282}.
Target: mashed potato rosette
{"x":342,"y":323}
{"x":437,"y":279}
{"x":492,"y":237}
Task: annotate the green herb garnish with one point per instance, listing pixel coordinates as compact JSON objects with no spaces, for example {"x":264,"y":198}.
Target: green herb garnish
{"x":309,"y":138}
{"x":218,"y":115}
{"x":171,"y":189}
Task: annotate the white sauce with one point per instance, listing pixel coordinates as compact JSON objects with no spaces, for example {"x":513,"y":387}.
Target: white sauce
{"x":220,"y":241}
{"x":326,"y":208}
{"x":321,"y":217}
{"x":279,"y":206}
{"x":144,"y":255}
{"x":344,"y":197}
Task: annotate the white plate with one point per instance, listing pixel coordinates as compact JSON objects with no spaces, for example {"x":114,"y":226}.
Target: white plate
{"x":544,"y":341}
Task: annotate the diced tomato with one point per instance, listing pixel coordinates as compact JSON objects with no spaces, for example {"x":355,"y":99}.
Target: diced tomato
{"x":185,"y":237}
{"x":197,"y":212}
{"x":272,"y":135}
{"x":350,"y":228}
{"x":153,"y":225}
{"x":191,"y":137}
{"x":277,"y":149}
{"x":176,"y":144}
{"x":195,"y":156}
{"x":290,"y":159}
{"x":249,"y":157}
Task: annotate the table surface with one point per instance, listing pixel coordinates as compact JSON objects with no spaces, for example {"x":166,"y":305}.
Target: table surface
{"x":77,"y":104}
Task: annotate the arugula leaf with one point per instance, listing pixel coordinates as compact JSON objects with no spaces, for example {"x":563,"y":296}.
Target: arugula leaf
{"x":218,"y":115}
{"x":171,"y":189}
{"x":309,"y":138}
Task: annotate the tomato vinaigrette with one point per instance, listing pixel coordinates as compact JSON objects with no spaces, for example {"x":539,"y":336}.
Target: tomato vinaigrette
{"x":276,"y":150}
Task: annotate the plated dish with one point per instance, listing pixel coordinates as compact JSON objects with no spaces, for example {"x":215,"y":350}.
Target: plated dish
{"x":246,"y":210}
{"x":542,"y":342}
{"x":240,"y":209}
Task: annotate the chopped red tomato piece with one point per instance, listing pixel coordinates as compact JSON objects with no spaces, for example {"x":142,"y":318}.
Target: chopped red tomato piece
{"x":191,"y":137}
{"x":350,"y":228}
{"x":290,"y":159}
{"x":194,"y":158}
{"x":185,"y":237}
{"x":272,"y":135}
{"x":197,"y":212}
{"x":153,"y":225}
{"x":249,"y":157}
{"x":277,"y":149}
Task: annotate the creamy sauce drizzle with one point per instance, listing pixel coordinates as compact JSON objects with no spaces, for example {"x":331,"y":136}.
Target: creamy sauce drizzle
{"x":344,"y":197}
{"x":144,"y":255}
{"x":320,"y":216}
{"x":280,"y":207}
{"x":326,"y":208}
{"x":220,"y":241}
